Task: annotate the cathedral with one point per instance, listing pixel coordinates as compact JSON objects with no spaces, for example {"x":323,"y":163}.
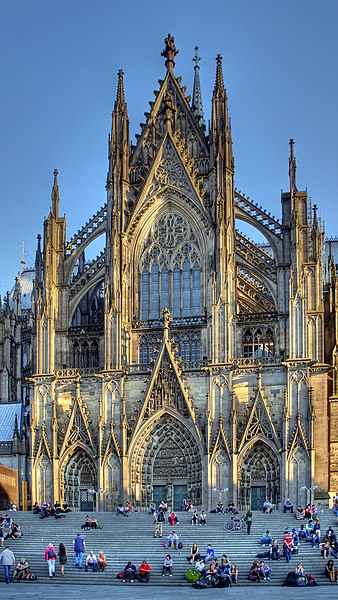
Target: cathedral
{"x":185,"y":360}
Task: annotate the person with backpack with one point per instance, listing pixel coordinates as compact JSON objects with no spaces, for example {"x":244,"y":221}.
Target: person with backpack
{"x":50,"y":557}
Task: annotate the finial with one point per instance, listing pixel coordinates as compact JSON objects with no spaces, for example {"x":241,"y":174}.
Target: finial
{"x":196,"y":58}
{"x":292,"y":145}
{"x":55,"y":173}
{"x":169,"y":52}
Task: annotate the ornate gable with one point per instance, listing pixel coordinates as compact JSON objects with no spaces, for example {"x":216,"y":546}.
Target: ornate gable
{"x":259,"y":423}
{"x":172,"y":169}
{"x":166,"y":390}
{"x":78,"y":427}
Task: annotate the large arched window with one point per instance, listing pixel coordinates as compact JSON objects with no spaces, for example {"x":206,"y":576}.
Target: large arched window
{"x":170,"y":270}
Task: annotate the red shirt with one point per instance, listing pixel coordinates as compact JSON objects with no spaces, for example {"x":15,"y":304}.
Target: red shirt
{"x":144,"y":568}
{"x":287,"y":539}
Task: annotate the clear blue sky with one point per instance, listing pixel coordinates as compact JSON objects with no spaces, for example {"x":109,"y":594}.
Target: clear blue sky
{"x":59,"y":62}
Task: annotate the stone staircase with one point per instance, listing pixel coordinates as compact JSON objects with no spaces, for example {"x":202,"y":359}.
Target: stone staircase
{"x":131,"y":538}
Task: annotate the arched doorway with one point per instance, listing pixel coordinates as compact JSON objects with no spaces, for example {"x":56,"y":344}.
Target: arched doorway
{"x":167,"y":464}
{"x":79,"y":482}
{"x":259,"y":477}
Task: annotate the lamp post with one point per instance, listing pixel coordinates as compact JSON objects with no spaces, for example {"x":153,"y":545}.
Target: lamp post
{"x":309,"y":492}
{"x":97,"y":495}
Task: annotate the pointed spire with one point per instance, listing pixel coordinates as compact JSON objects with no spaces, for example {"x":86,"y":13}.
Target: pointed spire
{"x":197,"y":105}
{"x":292,"y":166}
{"x":38,"y":262}
{"x":120,"y":100}
{"x":55,"y":195}
{"x":219,"y":83}
{"x":169,"y":52}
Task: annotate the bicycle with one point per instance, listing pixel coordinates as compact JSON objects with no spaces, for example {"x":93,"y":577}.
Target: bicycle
{"x":236,"y":524}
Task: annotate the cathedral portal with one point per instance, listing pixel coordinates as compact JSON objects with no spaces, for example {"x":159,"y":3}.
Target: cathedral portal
{"x":166,"y":463}
{"x":259,"y":476}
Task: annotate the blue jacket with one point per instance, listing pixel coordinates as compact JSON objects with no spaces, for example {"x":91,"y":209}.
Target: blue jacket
{"x":78,"y":544}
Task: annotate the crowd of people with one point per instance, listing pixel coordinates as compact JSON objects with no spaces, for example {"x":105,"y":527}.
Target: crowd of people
{"x":206,"y":564}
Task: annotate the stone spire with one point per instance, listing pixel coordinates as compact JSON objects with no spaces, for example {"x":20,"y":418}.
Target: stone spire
{"x":219,"y":83}
{"x":120,"y":100}
{"x":38,"y":263}
{"x":169,"y":52}
{"x":292,"y":166}
{"x":55,"y":195}
{"x":197,"y":105}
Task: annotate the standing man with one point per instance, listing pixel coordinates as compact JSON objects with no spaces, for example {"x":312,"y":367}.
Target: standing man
{"x":8,"y":560}
{"x":79,"y":547}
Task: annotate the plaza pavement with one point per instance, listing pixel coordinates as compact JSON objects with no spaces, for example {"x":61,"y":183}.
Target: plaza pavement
{"x":32,"y":591}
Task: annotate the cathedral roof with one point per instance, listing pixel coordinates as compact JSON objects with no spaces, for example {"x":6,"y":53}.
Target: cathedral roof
{"x":9,"y":412}
{"x":26,"y":281}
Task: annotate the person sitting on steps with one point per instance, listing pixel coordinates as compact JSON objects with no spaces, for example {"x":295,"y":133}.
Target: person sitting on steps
{"x":194,"y":554}
{"x":172,"y":538}
{"x":194,"y":518}
{"x":264,"y":570}
{"x":101,"y":561}
{"x":22,"y":569}
{"x":167,"y":566}
{"x":274,"y":551}
{"x":300,"y":515}
{"x":87,"y":523}
{"x":129,"y":572}
{"x":203,"y":518}
{"x":91,"y":562}
{"x":144,"y":572}
{"x":266,"y":539}
{"x":288,"y":505}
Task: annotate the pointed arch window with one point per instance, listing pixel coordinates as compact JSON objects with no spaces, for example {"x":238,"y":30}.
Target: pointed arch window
{"x":258,"y":342}
{"x":170,"y":270}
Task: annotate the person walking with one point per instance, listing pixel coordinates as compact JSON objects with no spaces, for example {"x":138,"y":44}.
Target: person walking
{"x":248,"y":518}
{"x":8,"y":560}
{"x":62,"y":554}
{"x":50,"y":557}
{"x":79,"y":547}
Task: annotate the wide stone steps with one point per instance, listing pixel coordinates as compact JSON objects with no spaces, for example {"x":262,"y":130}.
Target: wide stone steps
{"x":132,"y":538}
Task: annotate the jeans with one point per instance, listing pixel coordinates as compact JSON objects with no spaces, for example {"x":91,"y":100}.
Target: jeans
{"x":288,"y":508}
{"x":315,"y":540}
{"x":166,"y":569}
{"x":78,"y":559}
{"x":265,"y":573}
{"x":51,"y":566}
{"x":168,"y":542}
{"x":91,"y":565}
{"x":287,"y":554}
{"x":7,"y":569}
{"x":129,"y":575}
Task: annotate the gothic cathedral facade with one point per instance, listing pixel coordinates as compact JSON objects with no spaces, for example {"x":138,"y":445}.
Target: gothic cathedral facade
{"x":185,"y":360}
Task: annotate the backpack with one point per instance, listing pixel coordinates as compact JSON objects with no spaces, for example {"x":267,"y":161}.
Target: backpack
{"x":263,"y":554}
{"x":192,"y":575}
{"x":200,"y":584}
{"x":160,"y":516}
{"x":291,"y":579}
{"x":309,"y":580}
{"x":51,"y":553}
